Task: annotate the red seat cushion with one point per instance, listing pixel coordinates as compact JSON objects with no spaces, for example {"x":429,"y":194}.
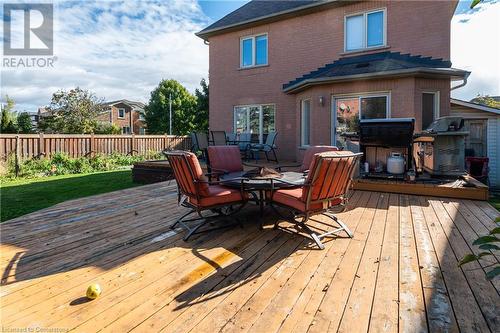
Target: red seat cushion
{"x":217,"y":195}
{"x":310,"y":152}
{"x":294,"y":198}
{"x":225,"y":158}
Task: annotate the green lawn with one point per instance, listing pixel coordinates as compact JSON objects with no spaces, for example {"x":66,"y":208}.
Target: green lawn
{"x":23,"y":196}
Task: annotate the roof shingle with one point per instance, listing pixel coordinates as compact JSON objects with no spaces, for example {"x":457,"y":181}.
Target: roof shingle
{"x":370,"y":63}
{"x":257,"y":9}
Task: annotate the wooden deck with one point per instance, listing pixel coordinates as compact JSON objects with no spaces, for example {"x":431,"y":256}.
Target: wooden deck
{"x":398,"y":273}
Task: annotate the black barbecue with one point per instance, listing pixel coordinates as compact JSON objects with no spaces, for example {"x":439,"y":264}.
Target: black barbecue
{"x":387,"y":133}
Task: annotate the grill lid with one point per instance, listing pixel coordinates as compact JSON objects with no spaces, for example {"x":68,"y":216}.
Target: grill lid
{"x":394,"y":132}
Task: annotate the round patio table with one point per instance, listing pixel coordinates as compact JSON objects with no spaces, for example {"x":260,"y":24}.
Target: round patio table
{"x":234,"y":179}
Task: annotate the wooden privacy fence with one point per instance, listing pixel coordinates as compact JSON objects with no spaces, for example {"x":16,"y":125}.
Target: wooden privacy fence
{"x":26,"y":146}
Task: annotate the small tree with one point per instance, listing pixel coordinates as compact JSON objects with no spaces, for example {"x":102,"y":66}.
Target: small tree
{"x":107,"y":128}
{"x":24,"y":123}
{"x":202,"y":98}
{"x":73,"y":111}
{"x":8,"y":118}
{"x":486,"y":101}
{"x":183,"y":109}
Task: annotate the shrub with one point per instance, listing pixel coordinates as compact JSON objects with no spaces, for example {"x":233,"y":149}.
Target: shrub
{"x":61,"y":164}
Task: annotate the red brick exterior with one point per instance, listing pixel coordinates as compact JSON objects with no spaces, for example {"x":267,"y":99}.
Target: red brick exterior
{"x":131,"y":118}
{"x":303,"y":43}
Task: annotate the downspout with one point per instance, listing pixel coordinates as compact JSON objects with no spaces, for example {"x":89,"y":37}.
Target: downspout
{"x":467,"y":74}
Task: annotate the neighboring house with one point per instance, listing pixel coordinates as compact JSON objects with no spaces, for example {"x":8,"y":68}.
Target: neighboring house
{"x":303,"y":68}
{"x":128,"y":115}
{"x":483,"y":124}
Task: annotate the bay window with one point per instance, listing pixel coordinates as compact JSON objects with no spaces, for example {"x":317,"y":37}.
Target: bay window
{"x":253,"y":51}
{"x":256,"y":119}
{"x":365,"y":30}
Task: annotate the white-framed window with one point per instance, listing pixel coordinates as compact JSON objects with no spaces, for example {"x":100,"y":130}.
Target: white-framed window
{"x":365,"y":30}
{"x":305,"y":123}
{"x":257,"y":119}
{"x":141,"y":116}
{"x":253,"y":51}
{"x":142,"y":130}
{"x":125,"y":130}
{"x":347,"y":110}
{"x":121,"y":113}
{"x":374,"y":107}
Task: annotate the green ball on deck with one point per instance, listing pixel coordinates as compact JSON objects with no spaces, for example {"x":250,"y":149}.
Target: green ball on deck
{"x":93,"y":291}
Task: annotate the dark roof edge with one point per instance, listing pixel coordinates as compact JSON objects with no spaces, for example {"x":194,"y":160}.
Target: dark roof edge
{"x":475,"y":105}
{"x":266,"y":18}
{"x":457,"y":74}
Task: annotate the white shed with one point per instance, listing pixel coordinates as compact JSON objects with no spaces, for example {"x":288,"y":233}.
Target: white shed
{"x":483,"y":124}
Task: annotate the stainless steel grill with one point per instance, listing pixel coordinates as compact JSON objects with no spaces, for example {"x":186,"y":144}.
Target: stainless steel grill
{"x":443,"y":147}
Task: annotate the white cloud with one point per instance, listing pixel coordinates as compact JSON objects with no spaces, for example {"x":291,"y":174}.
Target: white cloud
{"x":116,"y":49}
{"x":122,"y":49}
{"x":475,"y":37}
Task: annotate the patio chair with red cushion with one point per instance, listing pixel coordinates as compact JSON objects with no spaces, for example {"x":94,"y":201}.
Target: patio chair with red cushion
{"x":326,"y":186}
{"x":200,"y":195}
{"x":224,"y":159}
{"x":308,"y":157}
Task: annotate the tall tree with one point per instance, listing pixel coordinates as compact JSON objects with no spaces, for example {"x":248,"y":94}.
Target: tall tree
{"x":73,"y":111}
{"x":8,"y":118}
{"x":157,"y":112}
{"x":24,"y":123}
{"x":202,"y":98}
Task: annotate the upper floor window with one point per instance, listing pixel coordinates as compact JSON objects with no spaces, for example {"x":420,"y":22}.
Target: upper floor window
{"x":253,"y":50}
{"x":121,"y":113}
{"x":366,"y":30}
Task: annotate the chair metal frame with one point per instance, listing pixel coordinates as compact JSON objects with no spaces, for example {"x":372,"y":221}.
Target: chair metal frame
{"x":183,"y":197}
{"x":326,"y":209}
{"x":217,"y":138}
{"x":200,"y":144}
{"x":266,"y":147}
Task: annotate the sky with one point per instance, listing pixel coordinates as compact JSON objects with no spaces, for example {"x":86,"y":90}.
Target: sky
{"x":122,"y":49}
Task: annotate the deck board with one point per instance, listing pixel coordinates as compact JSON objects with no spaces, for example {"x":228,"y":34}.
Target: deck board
{"x":398,"y":273}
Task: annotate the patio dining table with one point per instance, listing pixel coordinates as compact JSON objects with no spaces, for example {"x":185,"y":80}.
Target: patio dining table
{"x":260,"y":184}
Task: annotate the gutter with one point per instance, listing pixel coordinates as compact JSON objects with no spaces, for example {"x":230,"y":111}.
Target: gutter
{"x":466,"y":76}
{"x":456,"y":73}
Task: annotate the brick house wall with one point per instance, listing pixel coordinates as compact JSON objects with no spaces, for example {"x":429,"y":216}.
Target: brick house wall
{"x":131,"y":118}
{"x":303,"y":43}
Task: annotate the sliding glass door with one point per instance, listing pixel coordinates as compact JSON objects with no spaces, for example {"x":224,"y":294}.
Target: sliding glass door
{"x":347,"y":111}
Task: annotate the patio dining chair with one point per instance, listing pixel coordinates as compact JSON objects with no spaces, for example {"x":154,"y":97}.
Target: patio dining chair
{"x":199,"y":195}
{"x":326,"y":186}
{"x":231,"y":138}
{"x":244,"y":141}
{"x":268,"y":147}
{"x":308,"y":157}
{"x":224,"y":159}
{"x":218,"y":138}
{"x":202,"y":143}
